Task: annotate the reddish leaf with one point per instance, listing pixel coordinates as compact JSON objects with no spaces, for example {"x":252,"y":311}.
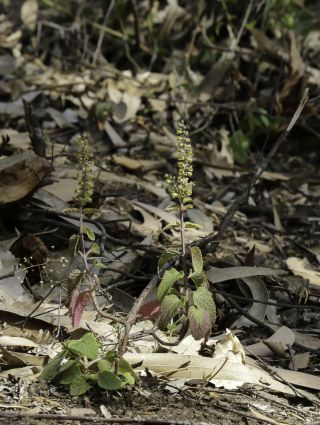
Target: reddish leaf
{"x":150,"y":310}
{"x":199,"y":323}
{"x":78,"y":303}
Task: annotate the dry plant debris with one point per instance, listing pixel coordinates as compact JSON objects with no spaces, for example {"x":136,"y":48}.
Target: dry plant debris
{"x":80,"y":250}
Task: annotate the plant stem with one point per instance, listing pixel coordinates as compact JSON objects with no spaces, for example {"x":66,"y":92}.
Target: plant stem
{"x":183,"y":247}
{"x":82,"y":247}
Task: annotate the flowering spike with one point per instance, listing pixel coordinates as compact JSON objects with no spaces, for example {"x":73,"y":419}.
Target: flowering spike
{"x":85,"y":174}
{"x":180,"y":186}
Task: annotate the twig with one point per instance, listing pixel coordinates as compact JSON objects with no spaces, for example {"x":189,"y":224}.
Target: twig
{"x":277,"y":304}
{"x":127,"y":48}
{"x":101,"y":36}
{"x":136,"y":23}
{"x":123,"y":420}
{"x":258,"y":322}
{"x":132,"y":316}
{"x":276,"y":375}
{"x":210,"y":242}
{"x":6,"y":275}
{"x":101,"y":312}
{"x":244,"y":22}
{"x":224,"y":406}
{"x":34,"y":130}
{"x":30,"y":315}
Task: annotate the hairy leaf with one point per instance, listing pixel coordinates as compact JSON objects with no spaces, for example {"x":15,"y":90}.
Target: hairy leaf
{"x":199,"y":322}
{"x":110,"y":356}
{"x":169,"y":278}
{"x":86,"y":346}
{"x":104,"y":365}
{"x":70,"y":374}
{"x":150,"y":310}
{"x":52,"y":369}
{"x":67,"y":365}
{"x":79,"y":386}
{"x":202,"y":298}
{"x":197,"y":260}
{"x":199,"y":279}
{"x":166,"y":256}
{"x":109,"y":381}
{"x":169,"y":308}
{"x":92,"y":377}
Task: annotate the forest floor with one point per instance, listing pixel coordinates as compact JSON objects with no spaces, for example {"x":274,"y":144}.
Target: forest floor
{"x":75,"y":68}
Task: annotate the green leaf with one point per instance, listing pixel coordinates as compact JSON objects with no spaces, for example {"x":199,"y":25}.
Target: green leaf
{"x":169,"y":278}
{"x":89,"y":232}
{"x":100,"y":265}
{"x":79,"y":386}
{"x":70,"y":374}
{"x":94,"y":249}
{"x":86,"y":346}
{"x":92,"y":377}
{"x":199,"y":279}
{"x":197,"y":260}
{"x":186,"y":200}
{"x":171,"y":208}
{"x":169,"y":308}
{"x":109,"y":381}
{"x":202,"y":298}
{"x":190,"y":225}
{"x":66,"y":365}
{"x":104,"y":365}
{"x":110,"y":356}
{"x":199,"y":322}
{"x":73,"y":246}
{"x":174,"y":225}
{"x":127,"y":372}
{"x":91,"y":211}
{"x":166,"y":256}
{"x":52,"y":369}
{"x":264,"y":118}
{"x":240,"y":145}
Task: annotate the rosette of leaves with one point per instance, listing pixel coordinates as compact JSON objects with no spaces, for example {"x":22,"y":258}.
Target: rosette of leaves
{"x":79,"y":367}
{"x":197,"y":306}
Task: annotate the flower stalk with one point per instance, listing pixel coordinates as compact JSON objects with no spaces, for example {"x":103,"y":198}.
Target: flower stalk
{"x":180,"y":187}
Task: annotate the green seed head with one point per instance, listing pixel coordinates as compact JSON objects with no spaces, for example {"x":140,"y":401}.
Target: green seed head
{"x":180,"y":186}
{"x":85,"y":172}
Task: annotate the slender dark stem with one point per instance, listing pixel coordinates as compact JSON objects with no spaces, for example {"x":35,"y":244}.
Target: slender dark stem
{"x":183,"y":247}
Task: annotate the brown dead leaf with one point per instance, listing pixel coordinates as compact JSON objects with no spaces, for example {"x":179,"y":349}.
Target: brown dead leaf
{"x":297,"y":67}
{"x":20,"y":175}
{"x":302,"y":267}
{"x":141,"y":165}
{"x":29,"y":14}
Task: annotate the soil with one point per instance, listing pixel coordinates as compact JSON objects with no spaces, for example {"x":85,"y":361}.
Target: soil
{"x":151,"y":402}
